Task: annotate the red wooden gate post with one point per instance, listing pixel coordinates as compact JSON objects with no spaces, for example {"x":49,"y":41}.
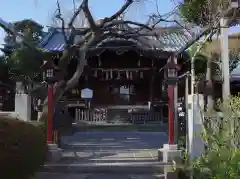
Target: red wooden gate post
{"x":171,"y":75}
{"x":170,"y":114}
{"x":50,"y":115}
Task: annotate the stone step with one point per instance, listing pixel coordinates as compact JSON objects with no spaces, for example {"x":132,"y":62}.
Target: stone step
{"x":45,"y":175}
{"x":105,"y":168}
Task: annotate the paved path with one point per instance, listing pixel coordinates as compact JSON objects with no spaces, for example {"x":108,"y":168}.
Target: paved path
{"x":112,"y":147}
{"x":89,"y":150}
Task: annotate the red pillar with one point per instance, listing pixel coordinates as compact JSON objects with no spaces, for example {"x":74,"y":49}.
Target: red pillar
{"x":170,"y":114}
{"x":50,"y":115}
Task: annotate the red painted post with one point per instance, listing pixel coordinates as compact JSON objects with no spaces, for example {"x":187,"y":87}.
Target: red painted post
{"x":50,"y":115}
{"x":170,"y":114}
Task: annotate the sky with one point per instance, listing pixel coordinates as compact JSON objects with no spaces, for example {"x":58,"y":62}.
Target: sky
{"x":42,"y":10}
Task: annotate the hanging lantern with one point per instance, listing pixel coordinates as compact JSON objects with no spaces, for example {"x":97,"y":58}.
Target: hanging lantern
{"x":1,"y":102}
{"x":99,"y":61}
{"x":136,"y":74}
{"x":127,"y":75}
{"x":106,"y":75}
{"x":111,"y":74}
{"x":131,"y":75}
{"x":95,"y":73}
{"x":118,"y":75}
{"x":139,"y":63}
{"x":171,"y":72}
{"x":101,"y":75}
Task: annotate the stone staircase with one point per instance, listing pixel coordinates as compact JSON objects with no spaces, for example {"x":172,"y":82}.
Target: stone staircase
{"x":77,"y":171}
{"x":108,"y":155}
{"x":97,"y":176}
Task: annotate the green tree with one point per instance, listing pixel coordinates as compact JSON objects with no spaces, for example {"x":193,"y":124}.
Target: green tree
{"x":201,"y":12}
{"x":3,"y":70}
{"x":31,"y":30}
{"x":25,"y":63}
{"x":20,"y":59}
{"x":200,"y":60}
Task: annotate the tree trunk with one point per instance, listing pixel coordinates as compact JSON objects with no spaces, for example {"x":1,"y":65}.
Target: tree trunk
{"x":62,"y":86}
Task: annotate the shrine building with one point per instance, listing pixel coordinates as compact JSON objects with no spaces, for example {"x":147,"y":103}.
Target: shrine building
{"x":123,"y":74}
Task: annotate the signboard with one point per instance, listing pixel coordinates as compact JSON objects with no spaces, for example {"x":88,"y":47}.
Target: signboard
{"x":86,"y":93}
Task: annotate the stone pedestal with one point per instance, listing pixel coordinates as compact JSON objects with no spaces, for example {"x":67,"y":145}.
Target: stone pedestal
{"x":54,"y":153}
{"x":170,"y":156}
{"x":23,"y":106}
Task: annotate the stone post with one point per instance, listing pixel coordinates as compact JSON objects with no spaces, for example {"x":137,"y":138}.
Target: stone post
{"x":225,"y":58}
{"x":22,"y":103}
{"x":195,"y":126}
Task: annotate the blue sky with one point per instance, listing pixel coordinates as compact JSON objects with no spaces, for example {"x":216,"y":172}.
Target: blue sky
{"x":42,"y":10}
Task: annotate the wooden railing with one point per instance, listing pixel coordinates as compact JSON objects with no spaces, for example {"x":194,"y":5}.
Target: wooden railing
{"x":145,"y":117}
{"x":117,"y":116}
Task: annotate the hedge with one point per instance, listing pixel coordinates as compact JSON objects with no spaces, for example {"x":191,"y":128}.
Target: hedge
{"x":22,"y":149}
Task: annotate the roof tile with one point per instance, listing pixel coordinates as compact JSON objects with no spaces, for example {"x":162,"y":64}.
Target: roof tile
{"x":169,"y":40}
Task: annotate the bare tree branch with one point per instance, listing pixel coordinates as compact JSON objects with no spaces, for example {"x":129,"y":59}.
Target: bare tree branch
{"x":89,"y":17}
{"x":76,"y":13}
{"x":59,"y":16}
{"x":119,"y":12}
{"x":74,"y":6}
{"x":81,"y":63}
{"x":68,"y":52}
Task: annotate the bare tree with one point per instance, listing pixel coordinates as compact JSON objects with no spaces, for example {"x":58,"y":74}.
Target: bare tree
{"x":66,"y":15}
{"x":94,"y":33}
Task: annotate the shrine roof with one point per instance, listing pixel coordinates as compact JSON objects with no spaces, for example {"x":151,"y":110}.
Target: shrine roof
{"x":167,"y":40}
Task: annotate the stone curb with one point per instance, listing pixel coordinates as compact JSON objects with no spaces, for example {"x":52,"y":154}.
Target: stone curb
{"x":43,"y":175}
{"x":81,"y":168}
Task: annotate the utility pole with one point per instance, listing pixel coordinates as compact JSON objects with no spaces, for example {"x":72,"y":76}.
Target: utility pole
{"x":225,"y":58}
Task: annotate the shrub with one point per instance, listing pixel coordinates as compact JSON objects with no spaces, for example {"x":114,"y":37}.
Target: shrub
{"x":22,"y":149}
{"x":221,"y":134}
{"x":222,"y":137}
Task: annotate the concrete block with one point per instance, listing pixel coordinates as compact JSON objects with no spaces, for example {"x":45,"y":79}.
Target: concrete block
{"x":54,"y":153}
{"x":169,"y":153}
{"x":170,"y":156}
{"x":171,"y":175}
